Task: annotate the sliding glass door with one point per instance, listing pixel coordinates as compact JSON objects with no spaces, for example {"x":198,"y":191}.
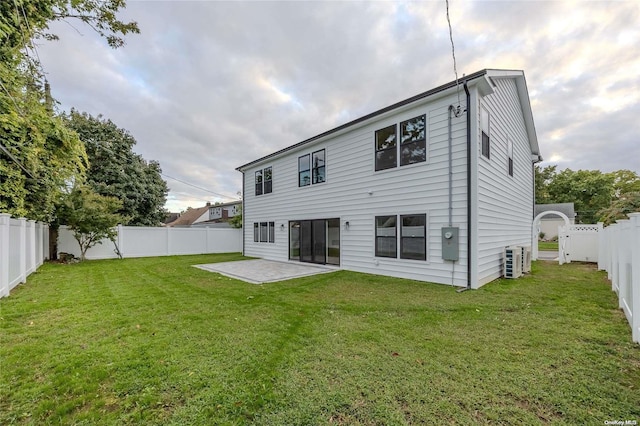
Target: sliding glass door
{"x":315,"y":241}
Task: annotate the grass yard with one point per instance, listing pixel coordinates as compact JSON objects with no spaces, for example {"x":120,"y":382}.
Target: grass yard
{"x":548,"y":245}
{"x":156,"y":341}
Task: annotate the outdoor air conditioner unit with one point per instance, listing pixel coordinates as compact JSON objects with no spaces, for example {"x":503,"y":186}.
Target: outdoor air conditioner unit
{"x":526,"y":259}
{"x":512,"y":262}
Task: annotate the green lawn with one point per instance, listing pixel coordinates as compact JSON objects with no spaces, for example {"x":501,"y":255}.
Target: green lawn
{"x":548,"y":245}
{"x":156,"y":341}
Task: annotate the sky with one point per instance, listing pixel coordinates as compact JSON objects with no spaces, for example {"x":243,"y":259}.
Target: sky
{"x":209,"y":86}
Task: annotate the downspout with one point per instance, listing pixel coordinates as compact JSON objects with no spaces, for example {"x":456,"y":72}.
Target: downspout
{"x":244,"y":214}
{"x":451,"y":107}
{"x":466,"y":90}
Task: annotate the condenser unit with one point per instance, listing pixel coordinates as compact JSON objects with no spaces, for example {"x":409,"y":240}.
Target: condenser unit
{"x":526,"y":259}
{"x":512,"y":262}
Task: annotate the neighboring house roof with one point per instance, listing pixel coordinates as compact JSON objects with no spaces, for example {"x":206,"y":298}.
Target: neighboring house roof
{"x":189,"y":216}
{"x":170,"y":217}
{"x":566,"y":208}
{"x":484,"y":80}
{"x":229,"y":204}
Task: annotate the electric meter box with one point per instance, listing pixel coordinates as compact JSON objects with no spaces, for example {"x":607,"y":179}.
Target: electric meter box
{"x":450,"y":243}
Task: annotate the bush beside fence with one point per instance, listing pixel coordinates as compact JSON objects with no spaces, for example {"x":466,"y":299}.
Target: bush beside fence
{"x":619,"y":255}
{"x":24,"y":245}
{"x":140,"y":241}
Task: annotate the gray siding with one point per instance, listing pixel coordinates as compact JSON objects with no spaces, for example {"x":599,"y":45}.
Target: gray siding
{"x":505,"y":203}
{"x":350,"y":176}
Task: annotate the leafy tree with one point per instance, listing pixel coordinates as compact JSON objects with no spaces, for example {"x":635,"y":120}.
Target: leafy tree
{"x":236,"y":221}
{"x":543,"y":176}
{"x":39,"y":156}
{"x":115,"y":170}
{"x":90,"y":216}
{"x":597,"y":196}
{"x":620,"y":208}
{"x":589,"y":190}
{"x":625,"y":182}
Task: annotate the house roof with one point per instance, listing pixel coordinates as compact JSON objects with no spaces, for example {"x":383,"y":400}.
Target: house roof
{"x":566,"y":208}
{"x":188,"y":217}
{"x":230,"y":203}
{"x":483,"y":77}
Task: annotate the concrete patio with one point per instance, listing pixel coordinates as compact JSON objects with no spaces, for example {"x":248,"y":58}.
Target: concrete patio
{"x":260,"y":271}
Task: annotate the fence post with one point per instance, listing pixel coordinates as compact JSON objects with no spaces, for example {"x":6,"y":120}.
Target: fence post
{"x":45,"y":242}
{"x":23,"y":249}
{"x":615,"y":240}
{"x":168,"y":240}
{"x":31,"y":235}
{"x":634,"y":240}
{"x":4,"y":253}
{"x":120,"y":238}
{"x":601,"y":251}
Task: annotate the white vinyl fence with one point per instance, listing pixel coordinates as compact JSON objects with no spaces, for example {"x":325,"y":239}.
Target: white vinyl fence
{"x":620,"y":257}
{"x":579,"y":243}
{"x":139,"y":241}
{"x":24,"y":245}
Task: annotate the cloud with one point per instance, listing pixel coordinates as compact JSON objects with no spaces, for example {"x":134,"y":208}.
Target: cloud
{"x":208,"y":86}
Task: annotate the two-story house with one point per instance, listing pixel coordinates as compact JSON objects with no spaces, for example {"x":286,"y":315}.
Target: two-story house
{"x":425,"y":189}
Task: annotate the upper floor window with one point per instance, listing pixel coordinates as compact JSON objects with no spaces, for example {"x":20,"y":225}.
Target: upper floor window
{"x":386,"y":151}
{"x":259,"y":187}
{"x":304,"y":167}
{"x":413,"y":140}
{"x":264,"y":179}
{"x":510,"y":157}
{"x":268,"y":180}
{"x":318,"y":167}
{"x":412,"y":146}
{"x":312,"y":168}
{"x":484,"y":125}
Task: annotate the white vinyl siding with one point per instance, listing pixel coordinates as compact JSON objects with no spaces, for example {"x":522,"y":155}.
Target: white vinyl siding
{"x":505,"y":203}
{"x":356,"y":193}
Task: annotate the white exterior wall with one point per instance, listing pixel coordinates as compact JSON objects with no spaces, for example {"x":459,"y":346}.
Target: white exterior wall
{"x":504,"y":203}
{"x":350,"y":176}
{"x":203,"y":217}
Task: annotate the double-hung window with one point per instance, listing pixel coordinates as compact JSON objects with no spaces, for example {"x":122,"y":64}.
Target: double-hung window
{"x":312,"y":168}
{"x":413,"y":141}
{"x":386,"y":151}
{"x":318,"y":167}
{"x":413,"y":243}
{"x":304,"y":167}
{"x":484,"y":125}
{"x":264,"y":232}
{"x":413,"y":232}
{"x":386,"y":236}
{"x":412,"y":146}
{"x":259,"y":187}
{"x":264,"y":181}
{"x":268,"y":180}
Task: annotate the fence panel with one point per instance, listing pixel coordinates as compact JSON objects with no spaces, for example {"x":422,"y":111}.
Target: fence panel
{"x":139,"y":241}
{"x":23,"y":248}
{"x":579,"y":243}
{"x":621,"y":250}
